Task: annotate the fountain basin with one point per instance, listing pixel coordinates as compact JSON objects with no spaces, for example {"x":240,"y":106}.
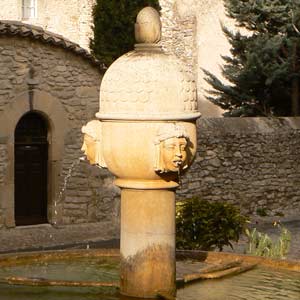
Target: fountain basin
{"x":94,"y":274}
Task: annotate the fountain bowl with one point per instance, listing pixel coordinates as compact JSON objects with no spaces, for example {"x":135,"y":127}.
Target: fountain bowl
{"x":89,"y":274}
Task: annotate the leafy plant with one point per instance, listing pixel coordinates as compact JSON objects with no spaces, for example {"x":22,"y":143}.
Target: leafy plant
{"x":261,"y":244}
{"x":113,"y":27}
{"x":205,"y":225}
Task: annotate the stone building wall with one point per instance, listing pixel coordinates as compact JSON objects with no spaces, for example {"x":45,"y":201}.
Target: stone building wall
{"x":66,"y":87}
{"x":192,"y":31}
{"x":251,"y":162}
{"x":85,"y":22}
{"x":61,"y":74}
{"x":179,"y":34}
{"x":71,"y":19}
{"x":10,"y":10}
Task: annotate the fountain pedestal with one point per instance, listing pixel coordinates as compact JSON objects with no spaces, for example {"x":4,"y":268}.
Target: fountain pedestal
{"x":147,"y":242}
{"x":146,"y":136}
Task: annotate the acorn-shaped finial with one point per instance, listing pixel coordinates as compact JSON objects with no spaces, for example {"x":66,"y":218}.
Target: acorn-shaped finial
{"x":148,"y":26}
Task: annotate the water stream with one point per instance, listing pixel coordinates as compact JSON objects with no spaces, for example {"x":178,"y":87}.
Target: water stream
{"x":64,"y":186}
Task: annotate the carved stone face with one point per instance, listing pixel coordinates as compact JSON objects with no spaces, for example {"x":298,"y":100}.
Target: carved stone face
{"x":89,"y":148}
{"x":91,"y":143}
{"x":173,"y":153}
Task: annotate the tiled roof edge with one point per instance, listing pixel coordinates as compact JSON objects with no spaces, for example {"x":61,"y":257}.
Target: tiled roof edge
{"x":17,"y":28}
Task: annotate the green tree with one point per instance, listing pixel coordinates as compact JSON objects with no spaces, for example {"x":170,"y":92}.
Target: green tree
{"x":114,"y":27}
{"x":263,"y":69}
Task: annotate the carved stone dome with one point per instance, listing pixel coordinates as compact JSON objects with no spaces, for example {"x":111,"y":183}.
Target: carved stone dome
{"x":147,"y":84}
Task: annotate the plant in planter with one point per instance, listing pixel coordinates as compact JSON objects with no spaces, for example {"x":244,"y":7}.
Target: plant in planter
{"x":205,"y":225}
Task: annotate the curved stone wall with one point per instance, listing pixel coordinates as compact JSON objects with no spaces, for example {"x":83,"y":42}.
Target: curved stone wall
{"x":65,"y":89}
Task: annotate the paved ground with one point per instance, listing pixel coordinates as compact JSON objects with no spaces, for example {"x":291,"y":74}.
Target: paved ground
{"x":46,"y":237}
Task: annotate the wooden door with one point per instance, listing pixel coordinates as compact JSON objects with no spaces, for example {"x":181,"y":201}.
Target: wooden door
{"x":31,"y":160}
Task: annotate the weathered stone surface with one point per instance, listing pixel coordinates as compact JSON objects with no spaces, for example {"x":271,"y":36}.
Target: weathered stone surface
{"x":86,"y":92}
{"x":251,"y":162}
{"x":3,"y":162}
{"x":179,"y":32}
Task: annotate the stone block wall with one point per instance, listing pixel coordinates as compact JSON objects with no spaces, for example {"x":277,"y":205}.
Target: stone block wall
{"x":251,"y":162}
{"x":60,"y":74}
{"x":179,"y":32}
{"x":90,"y":195}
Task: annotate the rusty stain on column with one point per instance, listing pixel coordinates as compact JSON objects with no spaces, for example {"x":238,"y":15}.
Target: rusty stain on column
{"x":146,"y":136}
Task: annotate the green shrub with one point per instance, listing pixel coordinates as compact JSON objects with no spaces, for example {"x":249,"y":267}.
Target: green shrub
{"x":207,"y":225}
{"x":261,"y":244}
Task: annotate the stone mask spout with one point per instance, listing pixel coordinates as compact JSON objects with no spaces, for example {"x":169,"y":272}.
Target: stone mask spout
{"x":92,"y":143}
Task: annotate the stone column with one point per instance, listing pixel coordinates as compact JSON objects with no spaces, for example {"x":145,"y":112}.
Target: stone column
{"x":147,"y":242}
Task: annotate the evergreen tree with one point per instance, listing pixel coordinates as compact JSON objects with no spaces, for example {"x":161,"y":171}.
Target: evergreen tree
{"x":263,"y":69}
{"x":114,"y":27}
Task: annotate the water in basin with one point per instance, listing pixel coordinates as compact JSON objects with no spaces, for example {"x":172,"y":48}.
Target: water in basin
{"x":258,"y":284}
{"x":75,"y":269}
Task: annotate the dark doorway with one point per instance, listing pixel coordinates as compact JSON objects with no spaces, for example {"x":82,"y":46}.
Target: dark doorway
{"x":31,"y":160}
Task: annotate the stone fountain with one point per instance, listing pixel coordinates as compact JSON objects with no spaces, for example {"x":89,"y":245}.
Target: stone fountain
{"x":146,"y":136}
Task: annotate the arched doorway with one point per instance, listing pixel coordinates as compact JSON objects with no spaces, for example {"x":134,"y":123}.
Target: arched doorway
{"x":31,"y":161}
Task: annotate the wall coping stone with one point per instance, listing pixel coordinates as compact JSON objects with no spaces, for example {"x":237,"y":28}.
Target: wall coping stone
{"x":248,"y":125}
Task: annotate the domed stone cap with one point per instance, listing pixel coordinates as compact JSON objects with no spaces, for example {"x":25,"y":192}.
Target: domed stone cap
{"x":147,"y":84}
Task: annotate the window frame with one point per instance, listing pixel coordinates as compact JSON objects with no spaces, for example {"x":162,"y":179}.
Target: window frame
{"x":29,"y":9}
